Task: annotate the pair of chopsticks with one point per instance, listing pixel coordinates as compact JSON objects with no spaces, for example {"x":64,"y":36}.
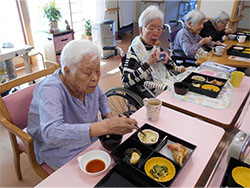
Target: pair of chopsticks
{"x":138,"y":128}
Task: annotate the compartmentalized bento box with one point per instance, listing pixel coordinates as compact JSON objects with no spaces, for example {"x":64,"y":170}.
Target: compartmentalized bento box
{"x":124,"y":174}
{"x":204,"y":84}
{"x":228,"y":180}
{"x":238,"y":50}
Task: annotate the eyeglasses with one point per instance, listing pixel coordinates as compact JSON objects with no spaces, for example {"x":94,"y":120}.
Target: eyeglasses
{"x":152,"y":29}
{"x":224,"y":23}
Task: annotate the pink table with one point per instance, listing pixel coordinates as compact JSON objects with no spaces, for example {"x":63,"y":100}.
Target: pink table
{"x":224,"y":118}
{"x":243,"y":124}
{"x":197,"y":132}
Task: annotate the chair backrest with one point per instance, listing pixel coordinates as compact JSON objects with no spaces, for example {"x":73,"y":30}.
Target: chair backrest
{"x":15,"y":106}
{"x":18,"y":104}
{"x":14,"y":114}
{"x":173,"y":27}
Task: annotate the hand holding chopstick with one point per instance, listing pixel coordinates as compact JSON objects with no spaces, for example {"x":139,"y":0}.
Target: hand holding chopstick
{"x":138,"y":128}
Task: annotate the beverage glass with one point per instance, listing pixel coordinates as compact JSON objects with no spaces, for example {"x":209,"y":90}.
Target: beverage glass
{"x":236,"y":78}
{"x":153,"y":107}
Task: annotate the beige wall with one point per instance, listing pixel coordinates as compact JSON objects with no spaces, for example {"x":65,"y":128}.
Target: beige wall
{"x":245,"y":22}
{"x":211,"y":7}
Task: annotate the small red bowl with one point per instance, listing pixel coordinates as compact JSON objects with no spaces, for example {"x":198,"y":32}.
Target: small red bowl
{"x":181,"y":88}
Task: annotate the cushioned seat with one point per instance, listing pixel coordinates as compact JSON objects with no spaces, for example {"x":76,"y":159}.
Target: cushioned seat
{"x":14,"y":114}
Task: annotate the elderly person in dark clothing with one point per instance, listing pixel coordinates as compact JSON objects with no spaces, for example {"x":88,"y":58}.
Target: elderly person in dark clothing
{"x":217,"y":27}
{"x":188,"y":42}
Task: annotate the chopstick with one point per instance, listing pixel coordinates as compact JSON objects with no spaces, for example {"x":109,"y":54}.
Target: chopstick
{"x":138,"y":128}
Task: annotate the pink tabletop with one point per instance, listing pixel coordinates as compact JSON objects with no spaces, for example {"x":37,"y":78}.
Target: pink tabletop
{"x":205,"y":136}
{"x":224,"y":118}
{"x":244,"y":125}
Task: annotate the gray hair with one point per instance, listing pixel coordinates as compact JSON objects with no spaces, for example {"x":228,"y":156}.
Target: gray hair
{"x":149,"y":14}
{"x":194,"y":16}
{"x":222,"y":15}
{"x":74,"y":52}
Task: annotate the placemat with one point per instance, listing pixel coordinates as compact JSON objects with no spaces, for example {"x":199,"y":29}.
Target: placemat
{"x":222,"y":101}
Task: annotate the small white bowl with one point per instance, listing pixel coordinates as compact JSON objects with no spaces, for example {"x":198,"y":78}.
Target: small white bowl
{"x":148,"y":142}
{"x":92,"y":155}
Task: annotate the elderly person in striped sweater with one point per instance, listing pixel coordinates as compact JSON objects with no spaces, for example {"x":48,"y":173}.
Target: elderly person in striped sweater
{"x":141,"y":62}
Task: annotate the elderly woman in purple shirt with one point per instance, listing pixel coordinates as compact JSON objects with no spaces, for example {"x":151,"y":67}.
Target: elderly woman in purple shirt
{"x":63,"y":113}
{"x":188,"y":40}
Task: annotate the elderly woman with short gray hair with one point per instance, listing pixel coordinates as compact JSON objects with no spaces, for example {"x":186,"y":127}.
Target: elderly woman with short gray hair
{"x":188,"y":40}
{"x":144,"y":53}
{"x":63,"y":115}
{"x":217,"y":27}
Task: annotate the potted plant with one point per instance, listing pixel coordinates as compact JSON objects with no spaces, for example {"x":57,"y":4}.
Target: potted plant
{"x":87,"y":29}
{"x":53,"y":14}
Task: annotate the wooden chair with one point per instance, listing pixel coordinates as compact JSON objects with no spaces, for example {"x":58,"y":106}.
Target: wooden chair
{"x":14,"y":114}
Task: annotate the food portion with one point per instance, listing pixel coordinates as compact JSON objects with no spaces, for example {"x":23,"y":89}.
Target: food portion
{"x":133,"y":155}
{"x":160,"y":169}
{"x":196,"y":84}
{"x":159,"y":172}
{"x":199,"y":78}
{"x":210,"y":87}
{"x":149,"y":136}
{"x":180,"y":153}
{"x":216,"y":82}
{"x":238,"y":48}
{"x":95,"y":165}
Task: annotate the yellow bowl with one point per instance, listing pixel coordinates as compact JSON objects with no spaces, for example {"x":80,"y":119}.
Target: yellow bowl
{"x":241,"y":175}
{"x":160,"y":161}
{"x":210,"y":87}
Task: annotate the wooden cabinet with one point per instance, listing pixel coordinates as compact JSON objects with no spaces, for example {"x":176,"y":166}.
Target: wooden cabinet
{"x":54,"y":43}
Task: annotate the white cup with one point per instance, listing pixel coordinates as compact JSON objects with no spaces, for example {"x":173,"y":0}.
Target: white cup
{"x":241,"y":38}
{"x":153,"y":107}
{"x":219,"y":50}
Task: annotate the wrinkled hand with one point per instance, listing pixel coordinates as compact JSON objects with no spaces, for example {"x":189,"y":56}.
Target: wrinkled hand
{"x":216,"y":43}
{"x":153,"y":57}
{"x":165,"y":60}
{"x":205,"y":40}
{"x":228,"y":31}
{"x":120,"y":125}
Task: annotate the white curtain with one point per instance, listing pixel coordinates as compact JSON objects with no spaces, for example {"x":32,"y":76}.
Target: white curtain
{"x":100,"y":10}
{"x":126,"y":12}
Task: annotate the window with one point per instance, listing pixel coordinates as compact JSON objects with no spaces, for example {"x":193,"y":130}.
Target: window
{"x":11,"y":29}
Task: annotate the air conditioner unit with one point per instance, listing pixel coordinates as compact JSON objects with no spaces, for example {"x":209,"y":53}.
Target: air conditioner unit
{"x":103,"y":35}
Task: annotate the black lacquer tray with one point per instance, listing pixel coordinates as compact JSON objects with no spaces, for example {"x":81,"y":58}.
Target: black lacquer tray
{"x":228,"y":180}
{"x":124,"y":174}
{"x":237,"y":50}
{"x":208,"y":80}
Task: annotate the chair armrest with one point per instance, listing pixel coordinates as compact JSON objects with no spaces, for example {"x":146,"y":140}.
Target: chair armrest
{"x":26,"y":138}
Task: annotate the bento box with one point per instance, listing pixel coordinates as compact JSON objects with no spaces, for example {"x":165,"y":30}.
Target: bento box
{"x":237,"y":174}
{"x":157,"y":166}
{"x":238,"y":50}
{"x":204,"y":84}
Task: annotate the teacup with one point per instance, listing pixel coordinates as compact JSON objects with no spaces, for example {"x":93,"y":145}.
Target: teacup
{"x":219,"y":50}
{"x":153,"y":107}
{"x":241,"y":38}
{"x":236,"y":78}
{"x":231,"y":37}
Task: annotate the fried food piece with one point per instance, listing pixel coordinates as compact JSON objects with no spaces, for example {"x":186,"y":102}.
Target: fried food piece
{"x":179,"y":152}
{"x":158,"y":43}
